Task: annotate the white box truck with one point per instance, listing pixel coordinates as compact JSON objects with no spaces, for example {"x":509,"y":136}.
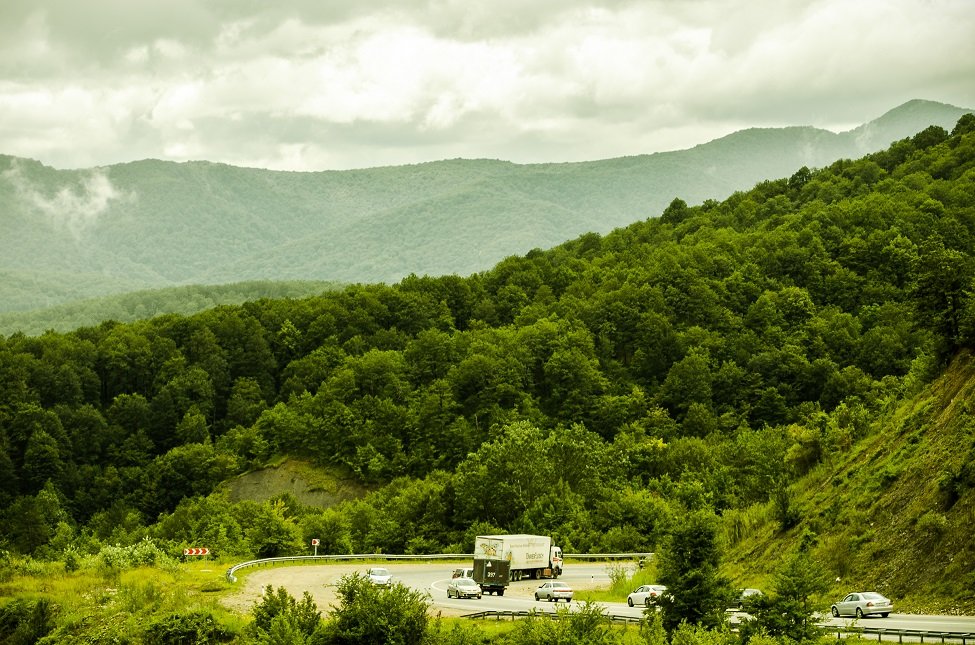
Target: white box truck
{"x":528,"y":556}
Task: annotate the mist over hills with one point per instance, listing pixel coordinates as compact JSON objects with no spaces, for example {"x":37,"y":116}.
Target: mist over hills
{"x":72,"y":234}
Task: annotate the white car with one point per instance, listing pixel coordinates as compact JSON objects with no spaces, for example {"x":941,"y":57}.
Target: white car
{"x":379,"y":576}
{"x":862,"y":603}
{"x":554,"y":591}
{"x":645,"y":595}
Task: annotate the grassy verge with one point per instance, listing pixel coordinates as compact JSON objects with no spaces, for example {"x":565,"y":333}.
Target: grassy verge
{"x":624,"y":578}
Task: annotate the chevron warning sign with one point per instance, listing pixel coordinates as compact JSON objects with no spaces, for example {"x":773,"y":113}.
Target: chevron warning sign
{"x":203,"y":551}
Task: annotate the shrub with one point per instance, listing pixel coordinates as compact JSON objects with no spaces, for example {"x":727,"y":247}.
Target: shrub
{"x":302,"y":617}
{"x":24,"y":620}
{"x":195,"y":627}
{"x":371,"y":614}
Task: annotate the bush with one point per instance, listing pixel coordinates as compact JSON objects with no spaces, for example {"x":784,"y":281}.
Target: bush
{"x":371,"y":614}
{"x":280,"y":607}
{"x":932,"y":524}
{"x":195,"y":627}
{"x":589,"y":624}
{"x":24,"y":621}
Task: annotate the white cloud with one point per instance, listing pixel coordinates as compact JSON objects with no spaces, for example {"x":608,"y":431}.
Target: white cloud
{"x":351,"y":84}
{"x":71,"y":209}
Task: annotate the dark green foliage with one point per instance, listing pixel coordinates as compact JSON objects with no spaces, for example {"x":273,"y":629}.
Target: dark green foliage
{"x":787,"y":612}
{"x":588,"y":391}
{"x":24,"y":621}
{"x":688,"y":567}
{"x":184,"y":628}
{"x":301,"y":616}
{"x":371,"y":614}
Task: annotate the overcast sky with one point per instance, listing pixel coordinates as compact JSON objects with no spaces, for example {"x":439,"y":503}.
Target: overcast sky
{"x":334,"y":84}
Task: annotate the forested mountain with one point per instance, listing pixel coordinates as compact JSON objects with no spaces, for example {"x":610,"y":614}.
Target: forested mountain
{"x":136,"y":305}
{"x":71,"y":234}
{"x":770,"y":357}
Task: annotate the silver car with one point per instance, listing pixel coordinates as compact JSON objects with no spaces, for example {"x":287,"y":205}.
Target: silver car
{"x":863,"y":603}
{"x":463,"y":588}
{"x":379,"y":576}
{"x":554,"y":591}
{"x":645,"y":595}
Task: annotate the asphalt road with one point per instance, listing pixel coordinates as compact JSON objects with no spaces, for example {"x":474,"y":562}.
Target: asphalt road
{"x":320,"y":580}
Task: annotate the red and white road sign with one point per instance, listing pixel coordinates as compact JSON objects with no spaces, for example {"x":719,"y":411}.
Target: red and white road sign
{"x":314,"y":541}
{"x":203,"y":551}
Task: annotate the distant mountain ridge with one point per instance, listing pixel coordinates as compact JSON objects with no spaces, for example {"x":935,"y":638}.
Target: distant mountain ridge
{"x":72,"y":234}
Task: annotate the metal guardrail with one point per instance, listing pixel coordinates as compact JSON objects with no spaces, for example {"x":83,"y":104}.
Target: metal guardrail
{"x":882,"y":633}
{"x":386,"y":556}
{"x":501,"y":614}
{"x":333,"y":558}
{"x":911,"y":635}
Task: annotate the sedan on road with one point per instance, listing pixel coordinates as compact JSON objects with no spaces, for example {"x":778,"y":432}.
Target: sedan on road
{"x":379,"y":576}
{"x":863,"y":603}
{"x":463,"y":588}
{"x":554,"y":591}
{"x":645,"y":595}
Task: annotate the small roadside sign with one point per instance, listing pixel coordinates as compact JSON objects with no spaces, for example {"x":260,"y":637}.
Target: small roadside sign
{"x":203,"y":551}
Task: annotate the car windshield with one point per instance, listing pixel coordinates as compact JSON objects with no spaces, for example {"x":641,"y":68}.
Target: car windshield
{"x":379,"y":572}
{"x":466,"y":581}
{"x":560,"y":585}
{"x":873,"y":596}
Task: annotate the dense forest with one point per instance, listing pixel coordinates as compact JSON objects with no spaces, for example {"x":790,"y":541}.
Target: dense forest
{"x":702,"y":359}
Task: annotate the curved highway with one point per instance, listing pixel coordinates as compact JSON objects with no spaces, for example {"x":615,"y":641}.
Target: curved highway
{"x":319,"y":580}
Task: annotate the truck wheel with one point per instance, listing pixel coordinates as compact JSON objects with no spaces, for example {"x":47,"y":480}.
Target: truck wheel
{"x":499,"y":592}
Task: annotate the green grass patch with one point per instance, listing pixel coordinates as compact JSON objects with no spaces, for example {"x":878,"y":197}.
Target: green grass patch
{"x":624,"y":578}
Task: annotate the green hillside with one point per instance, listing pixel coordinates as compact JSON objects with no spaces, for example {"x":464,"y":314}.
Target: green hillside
{"x":790,"y":368}
{"x":893,"y":507}
{"x":138,"y":305}
{"x":75,"y":234}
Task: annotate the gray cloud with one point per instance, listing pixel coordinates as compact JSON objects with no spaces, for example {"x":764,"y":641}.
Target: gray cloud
{"x":310,"y":85}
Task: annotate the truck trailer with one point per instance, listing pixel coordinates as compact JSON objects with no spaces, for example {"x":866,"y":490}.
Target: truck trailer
{"x":525,"y":556}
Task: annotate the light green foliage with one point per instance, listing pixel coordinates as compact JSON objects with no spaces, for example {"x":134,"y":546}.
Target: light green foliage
{"x":144,"y":552}
{"x":690,"y":634}
{"x":588,"y":625}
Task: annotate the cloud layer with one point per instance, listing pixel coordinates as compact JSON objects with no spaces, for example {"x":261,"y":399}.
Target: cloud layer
{"x":311,"y":85}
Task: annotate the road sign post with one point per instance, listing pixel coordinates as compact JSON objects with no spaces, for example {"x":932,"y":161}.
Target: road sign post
{"x":314,"y":543}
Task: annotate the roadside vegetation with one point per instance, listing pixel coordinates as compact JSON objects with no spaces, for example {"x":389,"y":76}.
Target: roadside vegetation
{"x":783,"y":378}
